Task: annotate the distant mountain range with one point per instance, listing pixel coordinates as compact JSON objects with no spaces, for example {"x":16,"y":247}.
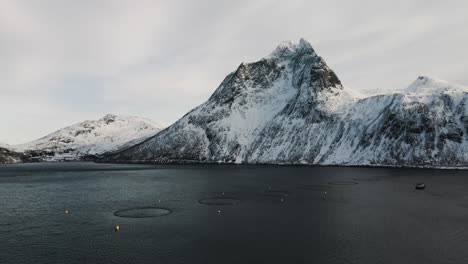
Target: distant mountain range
{"x":291,"y":108}
{"x":85,"y":139}
{"x":287,"y":108}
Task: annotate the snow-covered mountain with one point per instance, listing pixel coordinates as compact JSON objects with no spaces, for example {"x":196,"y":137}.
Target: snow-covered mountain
{"x":425,"y":125}
{"x":90,"y":137}
{"x":291,"y":108}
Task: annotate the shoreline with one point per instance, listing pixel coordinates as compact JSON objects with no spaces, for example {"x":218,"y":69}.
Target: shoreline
{"x":201,"y":163}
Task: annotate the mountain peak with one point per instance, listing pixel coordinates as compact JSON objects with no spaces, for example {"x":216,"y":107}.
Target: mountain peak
{"x":109,"y":117}
{"x":291,"y":67}
{"x":425,"y":84}
{"x":304,"y":44}
{"x":426,"y":80}
{"x":288,"y":48}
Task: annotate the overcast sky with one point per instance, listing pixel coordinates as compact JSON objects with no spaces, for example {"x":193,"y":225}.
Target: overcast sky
{"x":62,"y":62}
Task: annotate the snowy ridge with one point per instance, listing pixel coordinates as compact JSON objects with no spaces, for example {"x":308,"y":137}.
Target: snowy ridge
{"x":90,"y":137}
{"x":424,"y":85}
{"x":291,"y":108}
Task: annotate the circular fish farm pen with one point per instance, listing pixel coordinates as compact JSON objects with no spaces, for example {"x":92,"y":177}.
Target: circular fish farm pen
{"x":143,"y":212}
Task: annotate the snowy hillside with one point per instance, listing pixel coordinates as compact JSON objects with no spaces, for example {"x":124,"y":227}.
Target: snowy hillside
{"x":90,"y":138}
{"x":428,"y":86}
{"x":291,"y":108}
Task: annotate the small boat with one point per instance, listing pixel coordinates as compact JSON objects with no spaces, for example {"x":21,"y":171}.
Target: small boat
{"x":420,"y":186}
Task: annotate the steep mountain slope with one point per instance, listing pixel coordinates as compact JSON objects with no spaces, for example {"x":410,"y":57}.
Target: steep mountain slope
{"x":292,"y":81}
{"x":291,"y":108}
{"x":90,"y":138}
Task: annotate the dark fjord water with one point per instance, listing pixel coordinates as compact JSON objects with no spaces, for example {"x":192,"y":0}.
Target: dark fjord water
{"x":231,"y":214}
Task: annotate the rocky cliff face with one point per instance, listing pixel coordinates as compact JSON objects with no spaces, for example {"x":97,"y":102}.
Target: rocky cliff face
{"x":291,"y":108}
{"x":8,"y":156}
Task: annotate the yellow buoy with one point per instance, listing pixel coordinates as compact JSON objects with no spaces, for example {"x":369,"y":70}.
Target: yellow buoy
{"x":66,"y":211}
{"x":117,"y":228}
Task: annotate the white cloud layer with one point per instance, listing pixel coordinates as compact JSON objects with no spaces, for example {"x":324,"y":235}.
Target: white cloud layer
{"x":65,"y":61}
